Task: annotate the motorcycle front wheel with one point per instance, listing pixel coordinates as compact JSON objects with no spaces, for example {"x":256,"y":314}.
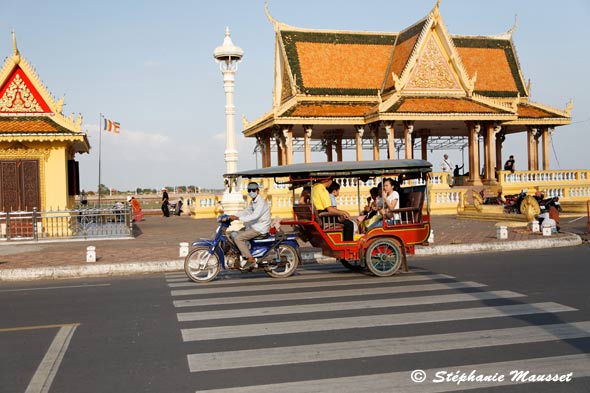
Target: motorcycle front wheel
{"x":200,"y":266}
{"x":288,"y":261}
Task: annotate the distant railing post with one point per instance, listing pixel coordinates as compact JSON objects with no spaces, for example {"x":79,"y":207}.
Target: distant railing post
{"x":35,"y":234}
{"x":7,"y":225}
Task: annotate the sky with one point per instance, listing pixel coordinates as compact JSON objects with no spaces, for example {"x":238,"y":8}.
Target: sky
{"x":149,"y":65}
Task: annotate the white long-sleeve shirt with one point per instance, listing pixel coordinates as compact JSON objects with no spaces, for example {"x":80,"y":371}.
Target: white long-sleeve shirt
{"x":446,"y":166}
{"x":256,"y":215}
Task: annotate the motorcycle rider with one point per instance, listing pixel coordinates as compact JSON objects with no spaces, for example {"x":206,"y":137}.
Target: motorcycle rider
{"x":257,"y":219}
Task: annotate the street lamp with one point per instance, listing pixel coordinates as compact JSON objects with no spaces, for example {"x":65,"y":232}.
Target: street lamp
{"x":228,"y":56}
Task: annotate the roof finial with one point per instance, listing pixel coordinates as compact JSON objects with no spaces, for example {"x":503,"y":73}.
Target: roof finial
{"x":435,"y":10}
{"x":513,"y":29}
{"x":272,"y":20}
{"x":16,"y":52}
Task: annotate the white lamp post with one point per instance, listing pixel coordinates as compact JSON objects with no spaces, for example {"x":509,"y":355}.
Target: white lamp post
{"x":228,"y":56}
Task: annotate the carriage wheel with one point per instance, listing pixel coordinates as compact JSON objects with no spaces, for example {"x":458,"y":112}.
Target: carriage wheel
{"x":384,"y":257}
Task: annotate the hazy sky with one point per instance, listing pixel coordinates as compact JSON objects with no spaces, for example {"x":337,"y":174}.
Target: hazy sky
{"x":149,"y":65}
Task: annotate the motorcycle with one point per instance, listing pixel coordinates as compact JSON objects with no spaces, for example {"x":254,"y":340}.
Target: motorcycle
{"x":278,"y":254}
{"x":513,"y":202}
{"x":544,"y":203}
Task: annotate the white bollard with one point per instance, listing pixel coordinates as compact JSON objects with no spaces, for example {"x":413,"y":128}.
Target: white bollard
{"x":183,"y":249}
{"x":90,"y":254}
{"x":431,"y":237}
{"x":534,"y":226}
{"x":546,"y":230}
{"x":502,"y":232}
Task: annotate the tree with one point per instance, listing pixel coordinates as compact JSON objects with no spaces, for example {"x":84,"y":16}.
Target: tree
{"x":104,"y":190}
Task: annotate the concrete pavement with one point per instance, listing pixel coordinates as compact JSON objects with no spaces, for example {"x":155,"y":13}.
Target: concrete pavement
{"x":155,"y":247}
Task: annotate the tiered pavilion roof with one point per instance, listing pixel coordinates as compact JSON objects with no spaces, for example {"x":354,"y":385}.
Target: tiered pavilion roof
{"x":423,"y":86}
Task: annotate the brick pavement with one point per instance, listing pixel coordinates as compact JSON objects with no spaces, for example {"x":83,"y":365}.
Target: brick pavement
{"x":157,"y":238}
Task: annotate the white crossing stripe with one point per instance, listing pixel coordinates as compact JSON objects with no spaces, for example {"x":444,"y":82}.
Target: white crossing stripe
{"x":43,"y":377}
{"x":385,"y":347}
{"x":400,"y":382}
{"x":321,"y":283}
{"x":325,"y":294}
{"x":253,"y":330}
{"x":343,"y":306}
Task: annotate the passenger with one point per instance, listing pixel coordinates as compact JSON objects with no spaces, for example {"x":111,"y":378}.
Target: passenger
{"x":305,"y":195}
{"x":334,"y":190}
{"x":257,"y":219}
{"x":391,"y":201}
{"x":321,"y":200}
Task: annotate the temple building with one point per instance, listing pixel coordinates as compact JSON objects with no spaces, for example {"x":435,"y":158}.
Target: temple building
{"x":418,"y":89}
{"x":38,"y":144}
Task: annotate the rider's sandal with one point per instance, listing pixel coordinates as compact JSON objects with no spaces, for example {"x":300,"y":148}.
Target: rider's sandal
{"x":249,"y":263}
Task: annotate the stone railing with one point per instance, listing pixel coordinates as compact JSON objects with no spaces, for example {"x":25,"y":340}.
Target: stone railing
{"x":569,"y":185}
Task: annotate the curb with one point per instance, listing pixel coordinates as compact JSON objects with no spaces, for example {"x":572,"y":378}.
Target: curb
{"x":447,"y":249}
{"x":310,"y":256}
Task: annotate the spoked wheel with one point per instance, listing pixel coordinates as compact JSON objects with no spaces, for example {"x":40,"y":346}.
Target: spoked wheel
{"x":353,"y":266}
{"x":200,"y":266}
{"x":288,"y":261}
{"x":384,"y":257}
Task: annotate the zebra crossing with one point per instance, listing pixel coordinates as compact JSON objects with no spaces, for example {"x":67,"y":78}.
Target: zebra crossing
{"x":305,"y":333}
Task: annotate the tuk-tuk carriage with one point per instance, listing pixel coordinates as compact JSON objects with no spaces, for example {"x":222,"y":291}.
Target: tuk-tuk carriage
{"x":381,"y":249}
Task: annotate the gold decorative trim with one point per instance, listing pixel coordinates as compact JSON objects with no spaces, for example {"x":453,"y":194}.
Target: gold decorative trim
{"x":432,"y":70}
{"x":18,"y":98}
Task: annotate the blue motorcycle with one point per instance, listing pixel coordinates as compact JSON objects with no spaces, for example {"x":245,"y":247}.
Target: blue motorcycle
{"x":278,"y":254}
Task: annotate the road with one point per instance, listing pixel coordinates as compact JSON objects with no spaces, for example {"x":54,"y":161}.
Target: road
{"x":324,"y":330}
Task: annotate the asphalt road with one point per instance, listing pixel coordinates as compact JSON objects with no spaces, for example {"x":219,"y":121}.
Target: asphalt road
{"x":324,"y":330}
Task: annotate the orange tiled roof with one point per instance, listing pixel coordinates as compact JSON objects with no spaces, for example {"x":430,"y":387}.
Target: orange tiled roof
{"x":20,"y":125}
{"x":495,"y":62}
{"x":329,"y":109}
{"x":403,"y":49}
{"x":439,"y":105}
{"x":531,"y":111}
{"x":338,"y":63}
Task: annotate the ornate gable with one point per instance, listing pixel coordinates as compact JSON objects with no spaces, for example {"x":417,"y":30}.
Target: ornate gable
{"x":18,"y":95}
{"x":432,"y":70}
{"x":434,"y":64}
{"x":22,"y":92}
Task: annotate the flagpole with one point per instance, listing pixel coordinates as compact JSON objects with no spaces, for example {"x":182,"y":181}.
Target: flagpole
{"x":99,"y":154}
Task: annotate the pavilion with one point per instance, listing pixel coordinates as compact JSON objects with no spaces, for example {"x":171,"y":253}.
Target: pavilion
{"x":38,"y":144}
{"x":421,"y":88}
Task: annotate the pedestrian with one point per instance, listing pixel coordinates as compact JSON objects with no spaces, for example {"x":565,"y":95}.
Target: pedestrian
{"x":165,"y":210}
{"x":135,"y":208}
{"x":509,"y":165}
{"x":447,"y":167}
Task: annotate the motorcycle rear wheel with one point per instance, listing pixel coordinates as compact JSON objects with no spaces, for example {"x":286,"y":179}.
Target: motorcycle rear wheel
{"x":285,"y":253}
{"x":200,"y":266}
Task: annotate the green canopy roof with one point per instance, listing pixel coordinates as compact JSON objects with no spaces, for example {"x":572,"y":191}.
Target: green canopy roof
{"x":339,"y":169}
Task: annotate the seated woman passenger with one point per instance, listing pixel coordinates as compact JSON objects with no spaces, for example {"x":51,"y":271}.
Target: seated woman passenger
{"x":305,"y":195}
{"x":391,"y":201}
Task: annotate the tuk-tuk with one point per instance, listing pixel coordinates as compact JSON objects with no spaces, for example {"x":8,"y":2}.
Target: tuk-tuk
{"x":383,"y":248}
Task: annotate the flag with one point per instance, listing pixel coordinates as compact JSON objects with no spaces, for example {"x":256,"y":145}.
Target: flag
{"x":111,"y":126}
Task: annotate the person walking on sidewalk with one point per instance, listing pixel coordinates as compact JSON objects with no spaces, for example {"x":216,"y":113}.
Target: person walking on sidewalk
{"x":257,"y":218}
{"x":165,"y":210}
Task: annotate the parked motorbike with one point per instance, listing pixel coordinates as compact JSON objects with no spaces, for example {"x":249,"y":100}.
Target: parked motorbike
{"x":513,"y":202}
{"x":176,"y":207}
{"x":278,"y":255}
{"x":544,"y":203}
